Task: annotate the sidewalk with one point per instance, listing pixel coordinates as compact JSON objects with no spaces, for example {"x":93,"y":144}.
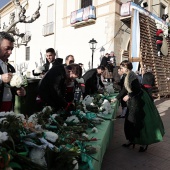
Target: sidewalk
{"x":157,"y":157}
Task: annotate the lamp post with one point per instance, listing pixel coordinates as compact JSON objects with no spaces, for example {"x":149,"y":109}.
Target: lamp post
{"x":102,"y":50}
{"x":92,"y":44}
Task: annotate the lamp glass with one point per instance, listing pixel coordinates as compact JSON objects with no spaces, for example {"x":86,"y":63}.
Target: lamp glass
{"x":92,"y":44}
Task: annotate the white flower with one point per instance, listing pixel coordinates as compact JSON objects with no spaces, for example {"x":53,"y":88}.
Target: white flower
{"x":38,"y":156}
{"x":65,"y":124}
{"x":82,"y":113}
{"x":106,"y":107}
{"x":51,"y":136}
{"x":94,"y":130}
{"x":75,"y":162}
{"x":39,"y":70}
{"x":3,"y":136}
{"x":2,"y":119}
{"x":72,"y":119}
{"x":21,"y":116}
{"x":17,"y":80}
{"x":85,"y":135}
{"x":6,"y":113}
{"x":110,"y":89}
{"x":55,"y":115}
{"x":38,"y":127}
{"x":47,"y":109}
{"x":88,"y":100}
{"x":33,"y":119}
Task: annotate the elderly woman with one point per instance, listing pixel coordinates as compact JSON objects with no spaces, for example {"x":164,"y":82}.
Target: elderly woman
{"x":143,"y":124}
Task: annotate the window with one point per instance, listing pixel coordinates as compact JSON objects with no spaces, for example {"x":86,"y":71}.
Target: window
{"x":162,"y":9}
{"x":50,"y":13}
{"x":27,"y":53}
{"x":85,"y":3}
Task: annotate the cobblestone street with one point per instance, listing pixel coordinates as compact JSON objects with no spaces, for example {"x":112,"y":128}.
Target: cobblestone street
{"x":157,"y":157}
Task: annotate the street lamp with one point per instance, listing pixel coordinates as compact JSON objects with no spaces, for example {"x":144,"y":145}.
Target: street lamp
{"x":92,"y":44}
{"x":102,"y":50}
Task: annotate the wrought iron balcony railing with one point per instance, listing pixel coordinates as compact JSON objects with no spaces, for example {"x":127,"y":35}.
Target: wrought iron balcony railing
{"x":48,"y":29}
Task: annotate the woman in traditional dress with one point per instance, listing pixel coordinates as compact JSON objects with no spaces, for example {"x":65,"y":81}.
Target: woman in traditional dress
{"x":143,"y":124}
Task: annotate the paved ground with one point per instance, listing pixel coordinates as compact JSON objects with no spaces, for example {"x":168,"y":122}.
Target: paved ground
{"x":157,"y":157}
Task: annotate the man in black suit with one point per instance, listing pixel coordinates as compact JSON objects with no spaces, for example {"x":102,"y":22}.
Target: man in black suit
{"x":52,"y":87}
{"x":92,"y":80}
{"x":7,"y":95}
{"x":50,"y":61}
{"x":148,"y":81}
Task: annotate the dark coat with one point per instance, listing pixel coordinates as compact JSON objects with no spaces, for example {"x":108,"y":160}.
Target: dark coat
{"x":10,"y":69}
{"x":52,"y":87}
{"x":143,"y":124}
{"x":105,"y":61}
{"x":90,"y":81}
{"x":57,"y":61}
{"x":135,"y":113}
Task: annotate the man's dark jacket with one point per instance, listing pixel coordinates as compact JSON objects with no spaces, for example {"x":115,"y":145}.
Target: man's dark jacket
{"x":90,"y":81}
{"x":52,"y":87}
{"x":57,"y":61}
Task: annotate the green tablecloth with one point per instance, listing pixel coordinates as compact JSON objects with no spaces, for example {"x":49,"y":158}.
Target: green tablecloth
{"x":105,"y":134}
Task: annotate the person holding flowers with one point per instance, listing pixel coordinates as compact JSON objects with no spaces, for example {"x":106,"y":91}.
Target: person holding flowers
{"x":7,"y":94}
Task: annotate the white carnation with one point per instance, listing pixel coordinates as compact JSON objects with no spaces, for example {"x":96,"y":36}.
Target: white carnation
{"x":85,"y":135}
{"x":75,"y":162}
{"x":17,"y":80}
{"x":39,"y":69}
{"x":72,"y":119}
{"x":110,"y":89}
{"x":47,"y":109}
{"x":94,"y":130}
{"x":38,"y":127}
{"x":3,"y":136}
{"x":51,"y":136}
{"x":82,"y":113}
{"x":21,"y":116}
{"x":33,"y":119}
{"x":88,"y":100}
{"x":38,"y":156}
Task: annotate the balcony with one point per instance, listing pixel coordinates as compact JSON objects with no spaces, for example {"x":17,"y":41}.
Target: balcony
{"x":83,"y":17}
{"x":26,"y":38}
{"x":48,"y":29}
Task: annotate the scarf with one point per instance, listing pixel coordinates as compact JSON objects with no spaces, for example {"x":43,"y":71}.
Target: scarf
{"x":128,"y":80}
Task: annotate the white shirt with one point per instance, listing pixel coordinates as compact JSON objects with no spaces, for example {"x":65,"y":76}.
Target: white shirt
{"x":50,"y":65}
{"x":7,"y":95}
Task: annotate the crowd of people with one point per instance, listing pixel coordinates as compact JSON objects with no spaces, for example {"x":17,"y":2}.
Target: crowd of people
{"x":59,"y":82}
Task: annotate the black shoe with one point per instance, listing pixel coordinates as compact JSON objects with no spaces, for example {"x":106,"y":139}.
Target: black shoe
{"x":127,"y":145}
{"x":120,"y":116}
{"x":143,"y":148}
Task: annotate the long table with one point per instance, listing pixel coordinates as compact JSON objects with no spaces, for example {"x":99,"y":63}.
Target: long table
{"x":105,"y":134}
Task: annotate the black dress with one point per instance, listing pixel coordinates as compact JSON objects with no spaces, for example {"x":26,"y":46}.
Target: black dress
{"x":143,"y":124}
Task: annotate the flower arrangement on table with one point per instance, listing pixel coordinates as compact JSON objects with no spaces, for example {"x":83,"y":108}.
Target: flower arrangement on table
{"x":52,"y":140}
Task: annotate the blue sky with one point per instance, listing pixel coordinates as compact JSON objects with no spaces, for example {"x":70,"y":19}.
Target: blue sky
{"x":3,"y":2}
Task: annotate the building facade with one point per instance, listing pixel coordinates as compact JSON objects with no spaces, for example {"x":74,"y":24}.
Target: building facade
{"x":68,"y":26}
